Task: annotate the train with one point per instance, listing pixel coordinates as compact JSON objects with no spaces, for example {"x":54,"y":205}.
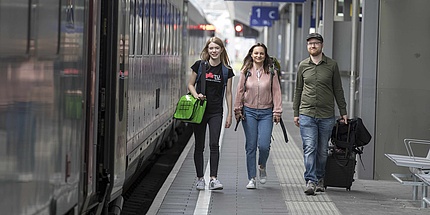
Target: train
{"x":88,"y":93}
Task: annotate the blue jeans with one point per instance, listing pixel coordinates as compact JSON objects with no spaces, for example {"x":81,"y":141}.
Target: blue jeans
{"x":258,"y":125}
{"x":315,"y":134}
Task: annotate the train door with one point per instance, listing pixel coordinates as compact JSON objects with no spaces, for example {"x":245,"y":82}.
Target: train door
{"x":112,"y":85}
{"x":88,"y":185}
{"x":104,"y":169}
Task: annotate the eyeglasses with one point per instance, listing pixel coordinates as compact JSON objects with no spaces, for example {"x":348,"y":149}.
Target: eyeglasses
{"x":314,"y":43}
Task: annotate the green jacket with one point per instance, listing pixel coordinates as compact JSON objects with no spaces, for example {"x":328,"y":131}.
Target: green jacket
{"x":317,"y":86}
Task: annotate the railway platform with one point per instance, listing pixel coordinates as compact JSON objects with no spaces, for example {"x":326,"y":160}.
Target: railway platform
{"x":283,"y":191}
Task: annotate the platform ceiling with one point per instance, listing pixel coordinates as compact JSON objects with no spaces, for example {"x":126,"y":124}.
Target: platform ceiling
{"x":241,"y":10}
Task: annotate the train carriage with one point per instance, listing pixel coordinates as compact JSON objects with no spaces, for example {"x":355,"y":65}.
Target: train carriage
{"x":87,"y":97}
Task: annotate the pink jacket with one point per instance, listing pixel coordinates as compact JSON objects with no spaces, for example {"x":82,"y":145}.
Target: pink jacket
{"x":258,"y":93}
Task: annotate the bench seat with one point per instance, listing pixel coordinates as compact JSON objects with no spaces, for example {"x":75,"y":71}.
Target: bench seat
{"x":408,"y":161}
{"x":418,"y":166}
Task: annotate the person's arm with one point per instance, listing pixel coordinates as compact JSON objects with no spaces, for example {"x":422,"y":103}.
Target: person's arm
{"x":339,"y":93}
{"x":192,"y":89}
{"x":239,"y":95}
{"x":229,"y":100}
{"x":277,"y":99}
{"x":298,"y":96}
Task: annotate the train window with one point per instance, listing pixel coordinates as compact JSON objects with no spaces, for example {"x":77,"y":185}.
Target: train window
{"x":173,"y":34}
{"x":132,"y":27}
{"x":145,"y":26}
{"x":139,"y":23}
{"x":46,"y":34}
{"x":14,"y":40}
{"x":158,"y":24}
{"x":163,"y":27}
{"x":151,"y":8}
{"x":175,"y":31}
{"x":172,"y":27}
{"x":157,"y":28}
{"x":168,"y":27}
{"x":179,"y":30}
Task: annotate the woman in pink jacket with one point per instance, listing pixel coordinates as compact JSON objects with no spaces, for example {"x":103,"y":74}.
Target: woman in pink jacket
{"x":258,"y":104}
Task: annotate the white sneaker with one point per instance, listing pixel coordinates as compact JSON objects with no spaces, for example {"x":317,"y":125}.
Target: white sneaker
{"x":215,"y":184}
{"x":251,"y":184}
{"x":263,"y":176}
{"x":200,"y":185}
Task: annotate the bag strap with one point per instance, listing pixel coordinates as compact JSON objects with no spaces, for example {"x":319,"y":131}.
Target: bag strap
{"x":203,"y":79}
{"x":247,"y":74}
{"x":347,"y":150}
{"x":225,"y":77}
{"x":349,"y":130}
{"x":204,"y":66}
{"x":284,"y":130}
{"x":359,"y":151}
{"x":272,"y":73}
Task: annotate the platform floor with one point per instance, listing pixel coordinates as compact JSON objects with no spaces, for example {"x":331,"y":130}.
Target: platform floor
{"x":283,"y":192}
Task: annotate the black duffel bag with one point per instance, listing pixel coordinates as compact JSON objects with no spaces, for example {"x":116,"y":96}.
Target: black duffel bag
{"x":350,"y":136}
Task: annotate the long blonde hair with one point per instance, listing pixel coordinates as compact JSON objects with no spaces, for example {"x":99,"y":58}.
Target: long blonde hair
{"x":204,"y":55}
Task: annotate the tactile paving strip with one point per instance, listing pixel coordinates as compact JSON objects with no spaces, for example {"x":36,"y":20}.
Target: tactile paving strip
{"x":288,"y":161}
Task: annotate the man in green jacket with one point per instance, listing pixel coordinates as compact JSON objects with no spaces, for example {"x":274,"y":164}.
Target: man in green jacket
{"x":318,"y":84}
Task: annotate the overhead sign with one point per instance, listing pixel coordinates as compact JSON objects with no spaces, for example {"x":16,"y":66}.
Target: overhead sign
{"x":267,"y":13}
{"x":290,"y":1}
{"x":256,"y":22}
{"x":263,"y":16}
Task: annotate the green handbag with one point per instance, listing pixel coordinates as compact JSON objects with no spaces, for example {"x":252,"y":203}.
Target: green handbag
{"x":190,"y":109}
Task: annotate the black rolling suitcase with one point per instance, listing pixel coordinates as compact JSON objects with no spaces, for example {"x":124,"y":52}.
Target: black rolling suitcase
{"x":340,"y":169}
{"x":341,"y":160}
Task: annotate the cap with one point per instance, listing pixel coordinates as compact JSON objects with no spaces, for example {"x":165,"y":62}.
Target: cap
{"x":316,"y":36}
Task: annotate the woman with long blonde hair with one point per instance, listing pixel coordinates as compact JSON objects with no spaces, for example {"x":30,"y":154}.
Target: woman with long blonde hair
{"x":214,"y":67}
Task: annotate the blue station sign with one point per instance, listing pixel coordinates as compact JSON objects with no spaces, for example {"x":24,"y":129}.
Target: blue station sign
{"x":263,"y":16}
{"x":290,"y":1}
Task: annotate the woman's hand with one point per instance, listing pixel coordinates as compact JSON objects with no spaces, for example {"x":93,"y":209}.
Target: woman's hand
{"x":228,"y":122}
{"x":200,"y":96}
{"x":238,"y":116}
{"x":276,"y":119}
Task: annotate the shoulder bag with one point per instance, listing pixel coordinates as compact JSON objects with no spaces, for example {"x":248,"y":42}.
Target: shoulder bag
{"x":190,"y":109}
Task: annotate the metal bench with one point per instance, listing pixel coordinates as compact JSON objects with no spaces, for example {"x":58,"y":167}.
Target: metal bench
{"x":426,"y":179}
{"x":417,"y":166}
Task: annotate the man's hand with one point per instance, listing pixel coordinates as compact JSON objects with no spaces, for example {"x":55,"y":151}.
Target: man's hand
{"x":296,"y":121}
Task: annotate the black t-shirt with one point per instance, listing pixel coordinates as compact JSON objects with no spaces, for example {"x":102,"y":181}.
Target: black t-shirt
{"x":214,"y":86}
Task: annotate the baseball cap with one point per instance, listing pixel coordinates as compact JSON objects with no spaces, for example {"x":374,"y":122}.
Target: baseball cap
{"x":316,"y":36}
